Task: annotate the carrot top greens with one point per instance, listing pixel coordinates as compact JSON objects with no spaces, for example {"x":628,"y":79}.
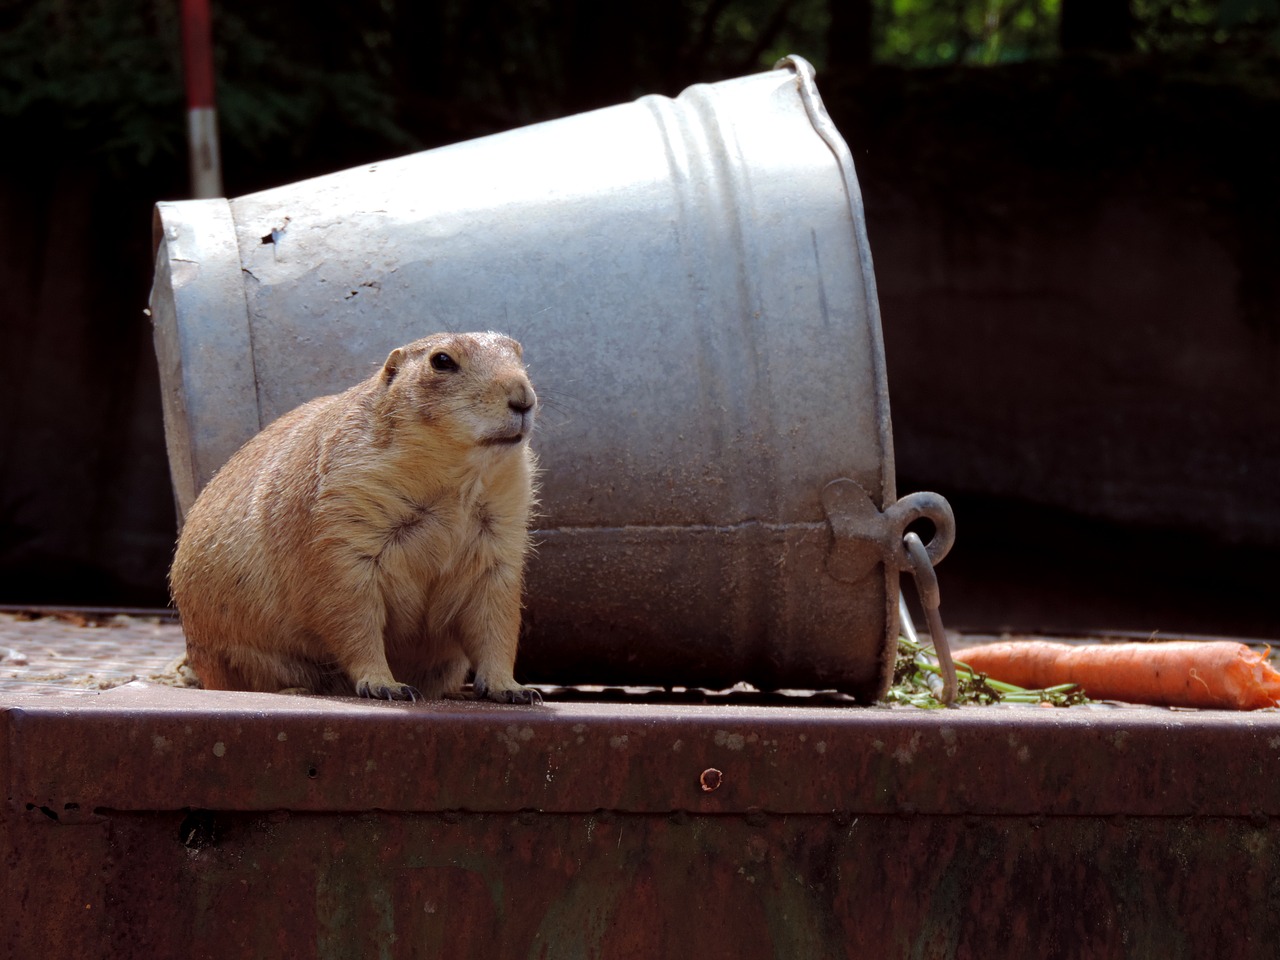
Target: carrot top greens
{"x":917,"y":683}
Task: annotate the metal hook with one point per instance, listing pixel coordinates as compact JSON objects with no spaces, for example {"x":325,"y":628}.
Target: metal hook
{"x":931,"y":600}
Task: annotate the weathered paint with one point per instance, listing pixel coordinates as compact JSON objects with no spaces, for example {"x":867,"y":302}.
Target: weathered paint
{"x":579,"y":885}
{"x":244,"y":751}
{"x":155,"y":822}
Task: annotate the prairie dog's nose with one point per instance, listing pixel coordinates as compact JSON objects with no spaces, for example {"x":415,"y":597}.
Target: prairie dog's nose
{"x":521,"y":398}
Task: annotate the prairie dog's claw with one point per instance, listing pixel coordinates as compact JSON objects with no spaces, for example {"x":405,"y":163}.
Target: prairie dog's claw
{"x":526,"y":695}
{"x":394,"y":691}
{"x":513,"y":694}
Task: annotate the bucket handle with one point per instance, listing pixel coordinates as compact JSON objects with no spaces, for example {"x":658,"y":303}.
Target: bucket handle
{"x":863,"y":536}
{"x":931,"y":600}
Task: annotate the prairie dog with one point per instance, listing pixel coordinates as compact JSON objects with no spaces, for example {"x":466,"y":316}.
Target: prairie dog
{"x":372,"y":542}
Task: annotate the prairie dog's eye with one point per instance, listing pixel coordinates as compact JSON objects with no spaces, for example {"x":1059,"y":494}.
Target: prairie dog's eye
{"x":442,"y":361}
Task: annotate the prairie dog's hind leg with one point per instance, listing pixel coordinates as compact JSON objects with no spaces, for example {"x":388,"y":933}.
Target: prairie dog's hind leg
{"x":255,"y":670}
{"x":214,"y":670}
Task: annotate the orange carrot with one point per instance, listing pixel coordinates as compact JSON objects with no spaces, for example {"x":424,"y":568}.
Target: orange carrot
{"x":1176,"y":673}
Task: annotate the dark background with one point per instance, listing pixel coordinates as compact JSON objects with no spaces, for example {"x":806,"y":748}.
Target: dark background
{"x":1072,"y":205}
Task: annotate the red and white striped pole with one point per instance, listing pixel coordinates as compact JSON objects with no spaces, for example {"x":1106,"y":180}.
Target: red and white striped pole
{"x":202,"y":114}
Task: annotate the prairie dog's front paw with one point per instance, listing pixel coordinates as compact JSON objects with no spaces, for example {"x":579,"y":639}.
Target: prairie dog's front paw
{"x":387,"y":690}
{"x":525,"y":695}
{"x":509,"y":692}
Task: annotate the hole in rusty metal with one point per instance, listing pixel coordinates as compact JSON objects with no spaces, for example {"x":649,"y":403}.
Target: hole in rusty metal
{"x":312,"y":772}
{"x":51,"y":814}
{"x":198,"y":830}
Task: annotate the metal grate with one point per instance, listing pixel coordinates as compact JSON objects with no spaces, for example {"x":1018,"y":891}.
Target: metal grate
{"x":86,"y":650}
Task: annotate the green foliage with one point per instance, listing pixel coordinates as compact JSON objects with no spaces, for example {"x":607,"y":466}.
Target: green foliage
{"x":288,"y":78}
{"x":360,"y":79}
{"x":1188,"y":26}
{"x":102,"y":73}
{"x":755,"y":34}
{"x":982,"y":32}
{"x":105,"y":76}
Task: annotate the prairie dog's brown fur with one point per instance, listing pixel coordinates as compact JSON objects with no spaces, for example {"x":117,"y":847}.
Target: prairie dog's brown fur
{"x":372,"y":542}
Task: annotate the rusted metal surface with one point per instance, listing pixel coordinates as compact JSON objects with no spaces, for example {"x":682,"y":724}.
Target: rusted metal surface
{"x":149,"y":821}
{"x":605,"y":886}
{"x":156,"y":748}
{"x":156,"y":822}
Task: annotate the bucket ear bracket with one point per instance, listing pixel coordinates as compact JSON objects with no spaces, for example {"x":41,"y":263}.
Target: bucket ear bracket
{"x":863,"y":535}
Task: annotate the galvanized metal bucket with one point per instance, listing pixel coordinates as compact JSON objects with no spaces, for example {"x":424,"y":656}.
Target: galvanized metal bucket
{"x":692,"y":283}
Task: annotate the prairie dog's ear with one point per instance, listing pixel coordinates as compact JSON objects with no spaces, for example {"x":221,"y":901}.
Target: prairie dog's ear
{"x":392,"y":366}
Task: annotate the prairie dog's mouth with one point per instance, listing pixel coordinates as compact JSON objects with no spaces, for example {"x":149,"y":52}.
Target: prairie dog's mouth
{"x":517,"y":429}
{"x":502,"y":441}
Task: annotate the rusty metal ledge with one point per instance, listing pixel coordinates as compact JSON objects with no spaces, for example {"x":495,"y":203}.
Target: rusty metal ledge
{"x":152,"y":748}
